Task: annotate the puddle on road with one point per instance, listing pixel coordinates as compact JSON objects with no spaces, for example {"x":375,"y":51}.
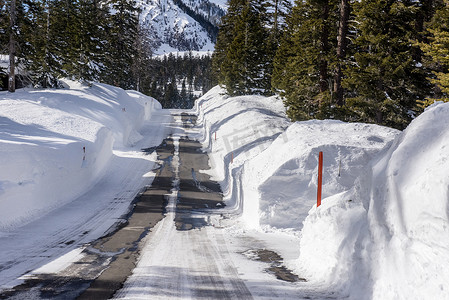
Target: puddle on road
{"x":276,"y":267}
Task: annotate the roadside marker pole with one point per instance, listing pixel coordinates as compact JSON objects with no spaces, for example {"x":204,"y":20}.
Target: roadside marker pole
{"x":84,"y":150}
{"x":232,"y":157}
{"x":215,"y":135}
{"x":320,"y":179}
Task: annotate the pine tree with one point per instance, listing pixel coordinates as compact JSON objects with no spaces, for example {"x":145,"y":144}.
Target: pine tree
{"x":141,"y":63}
{"x":242,"y":58}
{"x":384,"y":80}
{"x":12,"y":46}
{"x":87,"y":33}
{"x":436,"y":51}
{"x":3,"y":28}
{"x":120,"y":50}
{"x":304,"y":62}
{"x":183,"y":94}
{"x":44,"y":36}
{"x":225,"y":37}
{"x":280,"y":9}
{"x":342,"y":45}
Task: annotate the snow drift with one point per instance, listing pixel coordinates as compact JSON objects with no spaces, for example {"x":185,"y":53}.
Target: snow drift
{"x":282,"y":180}
{"x":387,"y":238}
{"x":272,"y":177}
{"x":236,"y":130}
{"x":55,"y":144}
{"x":382,"y":231}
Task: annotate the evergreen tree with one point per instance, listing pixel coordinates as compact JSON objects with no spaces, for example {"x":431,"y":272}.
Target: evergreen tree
{"x":342,"y":45}
{"x":385,"y":81}
{"x":436,"y":51}
{"x":44,"y":42}
{"x":183,"y":95}
{"x":280,"y":9}
{"x":3,"y":28}
{"x":13,"y":28}
{"x":141,"y":61}
{"x":88,"y":39}
{"x":120,"y":50}
{"x":243,"y":58}
{"x":225,"y":37}
{"x":304,"y":61}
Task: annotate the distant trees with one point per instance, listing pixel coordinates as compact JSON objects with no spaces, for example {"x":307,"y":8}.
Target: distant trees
{"x":176,"y":80}
{"x":88,"y":40}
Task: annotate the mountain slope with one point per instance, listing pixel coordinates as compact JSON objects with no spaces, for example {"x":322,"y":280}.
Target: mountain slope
{"x":180,"y":25}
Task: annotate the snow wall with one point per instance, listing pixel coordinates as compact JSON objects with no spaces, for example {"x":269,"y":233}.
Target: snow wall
{"x":382,"y":231}
{"x":55,"y":143}
{"x":387,"y":237}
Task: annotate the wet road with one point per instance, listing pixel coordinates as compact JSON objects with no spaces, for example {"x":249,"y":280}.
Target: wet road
{"x":185,"y":257}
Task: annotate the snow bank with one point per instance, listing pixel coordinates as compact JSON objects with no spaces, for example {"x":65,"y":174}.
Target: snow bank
{"x":55,"y":144}
{"x":282,"y":181}
{"x":272,"y":178}
{"x":387,"y":238}
{"x":236,"y":130}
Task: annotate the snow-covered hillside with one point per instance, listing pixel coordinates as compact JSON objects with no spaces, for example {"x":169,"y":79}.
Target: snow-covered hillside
{"x":174,"y":25}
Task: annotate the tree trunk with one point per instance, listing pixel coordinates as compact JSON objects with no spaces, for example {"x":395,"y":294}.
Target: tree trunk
{"x":324,"y":47}
{"x":423,"y":15}
{"x":276,"y":22}
{"x":12,"y":48}
{"x":341,"y":50}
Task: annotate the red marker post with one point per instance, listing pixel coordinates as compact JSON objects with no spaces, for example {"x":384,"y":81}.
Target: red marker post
{"x":320,"y":179}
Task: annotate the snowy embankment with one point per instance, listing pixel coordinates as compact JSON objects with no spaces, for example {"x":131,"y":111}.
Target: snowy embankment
{"x":274,"y":162}
{"x":388,"y":235}
{"x":382,"y":231}
{"x":55,"y":144}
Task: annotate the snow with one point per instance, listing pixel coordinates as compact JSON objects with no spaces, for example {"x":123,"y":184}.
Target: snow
{"x":274,"y":160}
{"x":381,"y":232}
{"x":55,"y":144}
{"x":383,"y":224}
{"x":171,"y":29}
{"x":392,"y":237}
{"x":51,"y":192}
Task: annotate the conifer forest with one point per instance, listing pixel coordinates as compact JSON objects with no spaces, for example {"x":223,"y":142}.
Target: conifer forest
{"x":375,"y":61}
{"x":90,"y":40}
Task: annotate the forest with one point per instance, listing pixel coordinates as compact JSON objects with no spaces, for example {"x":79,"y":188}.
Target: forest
{"x":87,"y":40}
{"x":177,"y":80}
{"x":375,"y":61}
